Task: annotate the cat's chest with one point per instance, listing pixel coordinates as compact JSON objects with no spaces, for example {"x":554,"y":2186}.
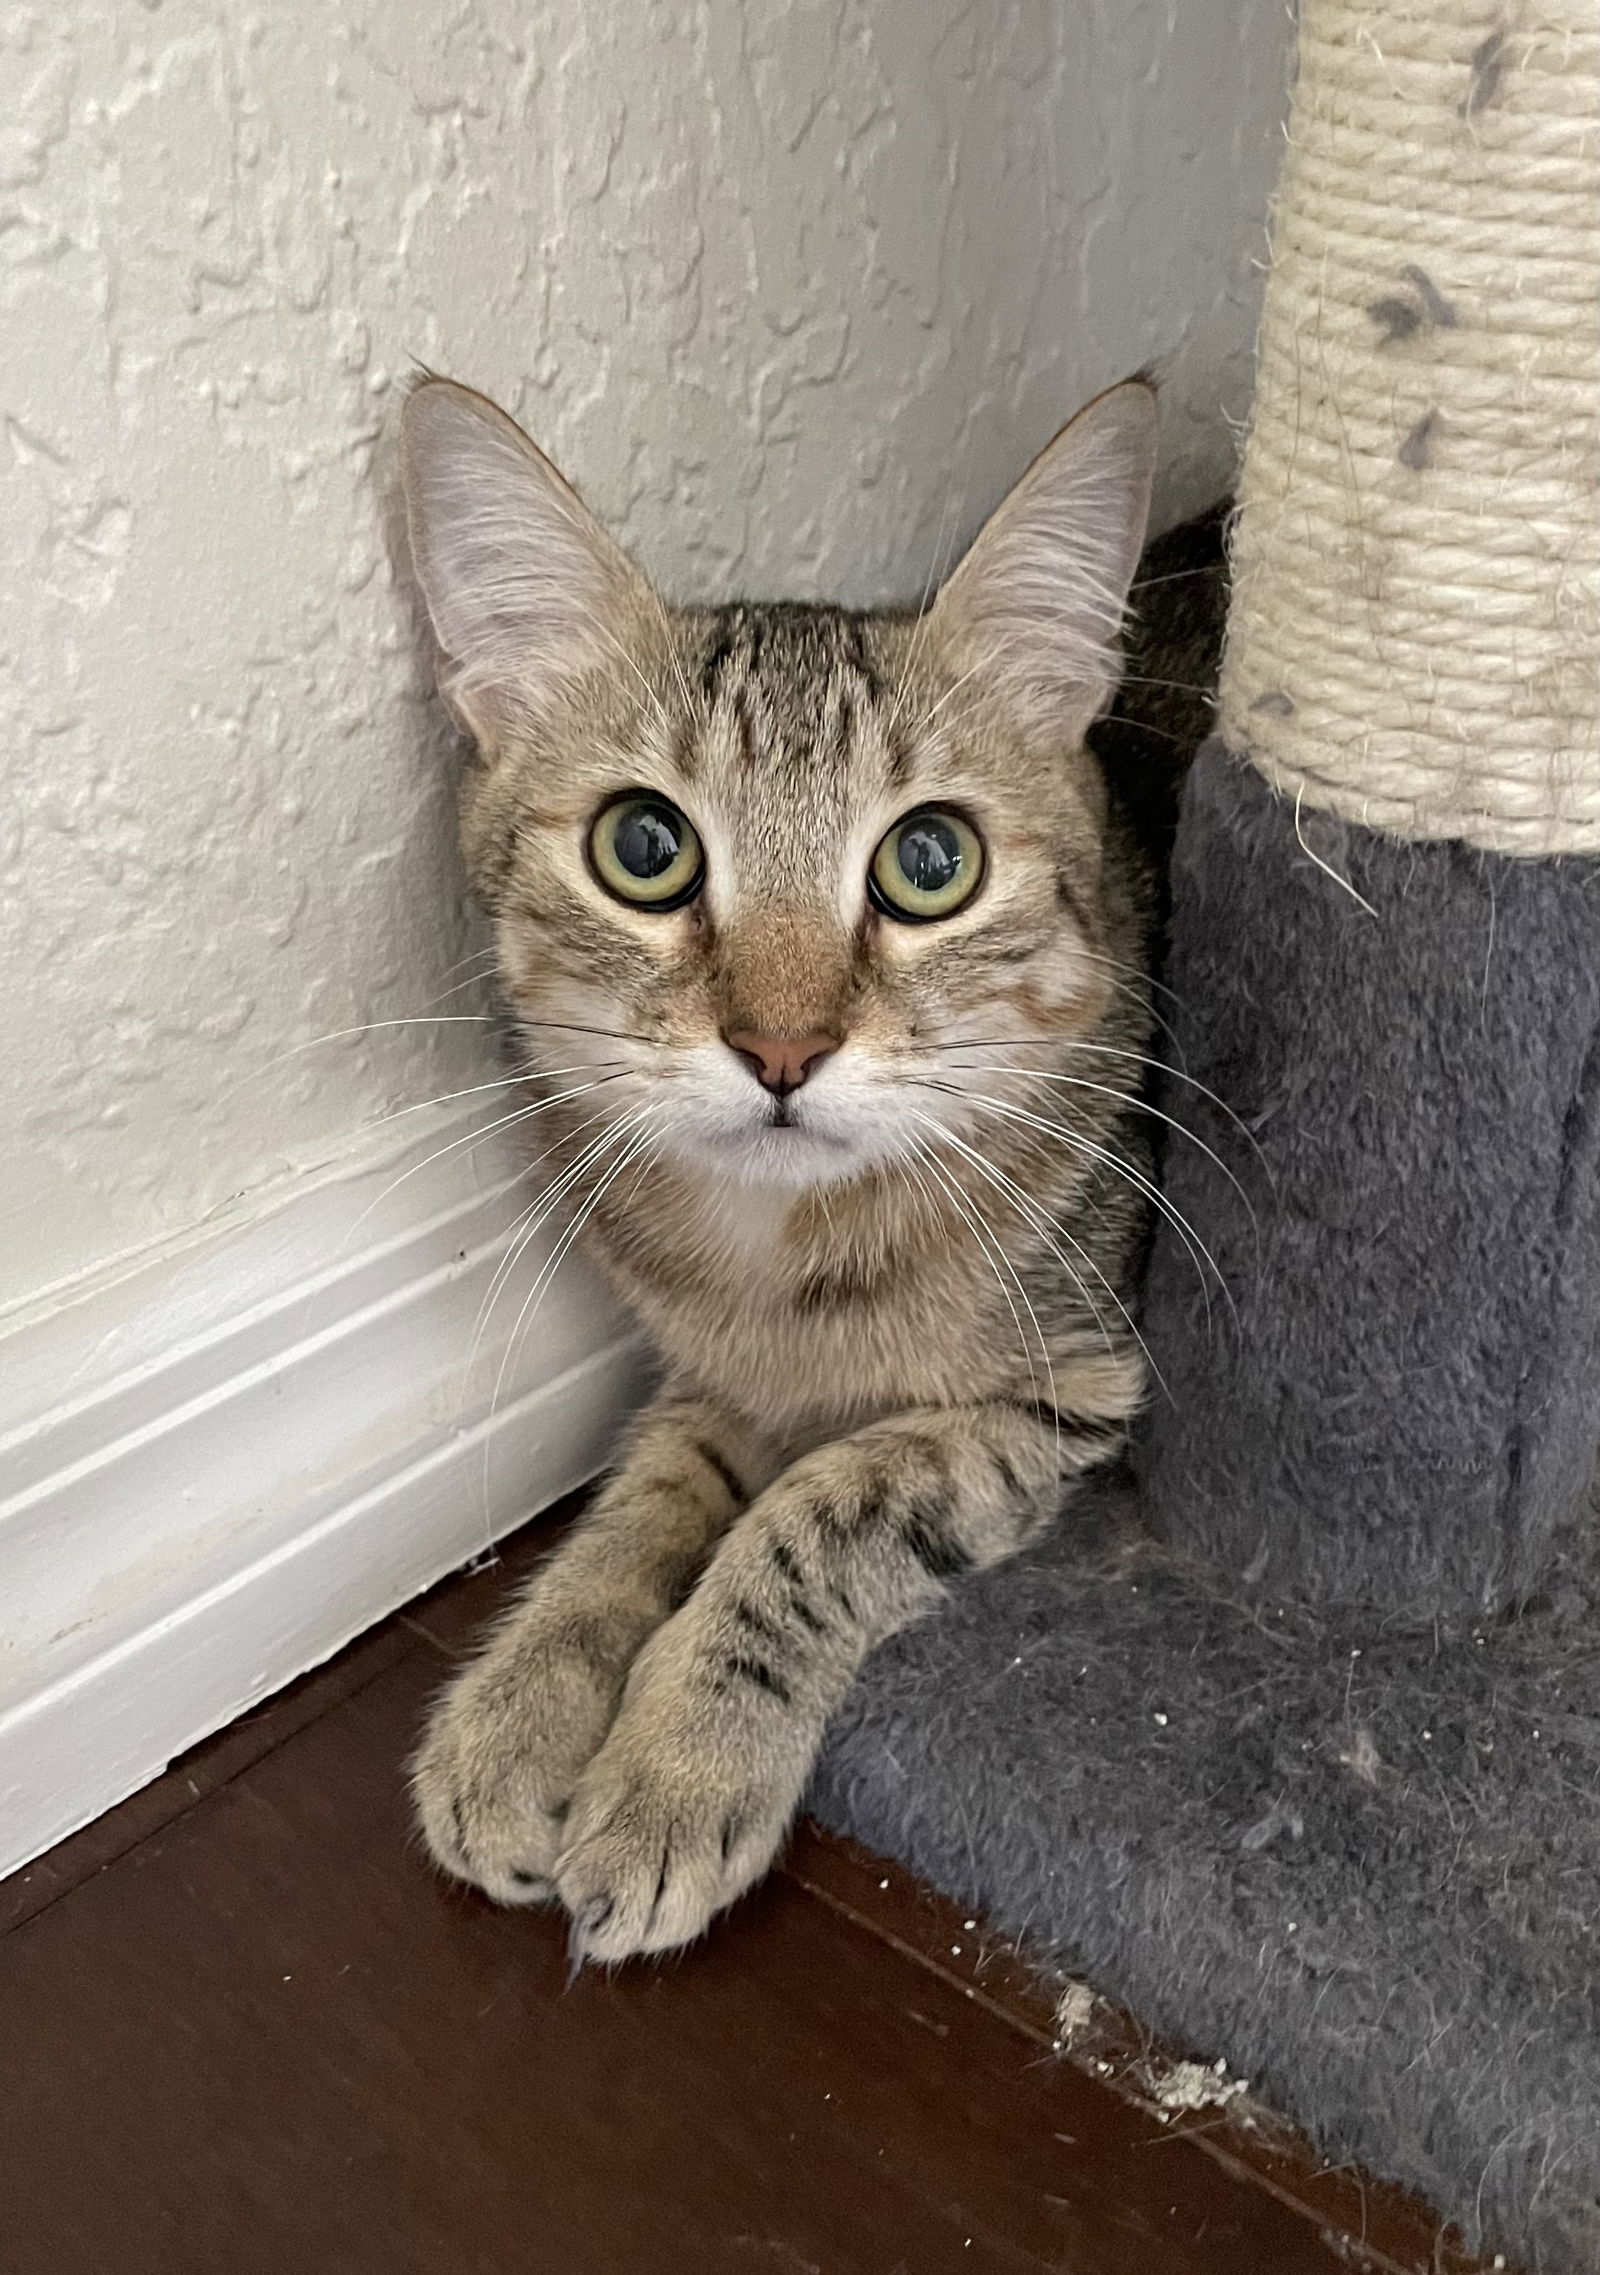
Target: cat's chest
{"x":803,"y":1317}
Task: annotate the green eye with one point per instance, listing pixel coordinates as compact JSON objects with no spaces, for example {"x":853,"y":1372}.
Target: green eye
{"x":646,"y":852}
{"x":928,"y":866}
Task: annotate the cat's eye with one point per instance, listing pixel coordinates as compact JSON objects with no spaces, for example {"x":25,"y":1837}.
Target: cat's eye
{"x":645,"y":852}
{"x":929,"y":865}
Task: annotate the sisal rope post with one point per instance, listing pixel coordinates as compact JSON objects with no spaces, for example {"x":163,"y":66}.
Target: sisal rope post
{"x":1414,"y":641}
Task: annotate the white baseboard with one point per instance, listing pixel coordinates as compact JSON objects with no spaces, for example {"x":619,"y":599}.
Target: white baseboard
{"x":218,"y":1468}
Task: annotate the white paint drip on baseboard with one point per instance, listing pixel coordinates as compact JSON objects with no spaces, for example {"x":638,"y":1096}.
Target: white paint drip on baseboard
{"x":216,"y":1471}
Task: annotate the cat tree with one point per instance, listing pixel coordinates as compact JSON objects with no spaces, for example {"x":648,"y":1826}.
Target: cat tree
{"x":1313,"y":1781}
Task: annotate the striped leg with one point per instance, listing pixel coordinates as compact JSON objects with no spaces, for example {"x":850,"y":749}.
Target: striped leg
{"x":511,"y":1735}
{"x":688,"y":1799}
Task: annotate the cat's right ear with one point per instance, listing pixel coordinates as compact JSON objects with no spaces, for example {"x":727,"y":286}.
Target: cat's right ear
{"x":524,"y":588}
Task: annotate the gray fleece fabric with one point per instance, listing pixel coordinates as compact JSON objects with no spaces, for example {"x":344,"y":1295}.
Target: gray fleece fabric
{"x":1358,"y":1859}
{"x":1403,"y":1399}
{"x":1288,"y":1739}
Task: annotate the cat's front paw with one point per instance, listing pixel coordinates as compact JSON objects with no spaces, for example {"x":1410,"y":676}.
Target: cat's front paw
{"x":508,"y":1742}
{"x":682,"y":1809}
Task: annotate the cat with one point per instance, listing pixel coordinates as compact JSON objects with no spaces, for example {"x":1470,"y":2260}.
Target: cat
{"x":825,"y":950}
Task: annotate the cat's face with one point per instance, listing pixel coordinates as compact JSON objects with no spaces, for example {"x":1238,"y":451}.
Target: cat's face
{"x":758,"y":873}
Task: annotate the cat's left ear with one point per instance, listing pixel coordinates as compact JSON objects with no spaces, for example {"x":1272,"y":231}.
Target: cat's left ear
{"x":1039,"y":599}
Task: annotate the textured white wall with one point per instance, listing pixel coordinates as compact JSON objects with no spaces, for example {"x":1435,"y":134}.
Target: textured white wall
{"x":791,"y":290}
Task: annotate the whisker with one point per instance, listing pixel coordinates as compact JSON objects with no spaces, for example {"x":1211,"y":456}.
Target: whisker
{"x":1179,"y":686}
{"x":530,"y":1219}
{"x":367,"y":1027}
{"x":1130,"y":1176}
{"x":927,"y":1207}
{"x":1074,"y":1139}
{"x":473,"y":979}
{"x":636,"y":1138}
{"x":985,"y":662}
{"x":1134,"y":1105}
{"x":1174,"y":577}
{"x":520,"y":1230}
{"x":474,"y":1136}
{"x":1048,"y":1232}
{"x":477,"y":956}
{"x":593,"y":624}
{"x":1137,"y":973}
{"x":978,"y":1225}
{"x":615,"y":1133}
{"x":473,"y":956}
{"x":982,"y":1227}
{"x":1099,"y":1050}
{"x":473,"y":1090}
{"x":570,"y":1027}
{"x":1134,"y":1178}
{"x":672,"y":653}
{"x":1024,"y":1202}
{"x":646,"y":1161}
{"x":621,"y":1133}
{"x":937,"y":563}
{"x":1149,"y":727}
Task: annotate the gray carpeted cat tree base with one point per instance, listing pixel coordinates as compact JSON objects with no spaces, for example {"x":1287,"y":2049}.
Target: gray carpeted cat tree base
{"x":1289,"y":1739}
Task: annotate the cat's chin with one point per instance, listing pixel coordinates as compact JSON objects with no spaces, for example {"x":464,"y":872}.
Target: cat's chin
{"x":786,"y":1157}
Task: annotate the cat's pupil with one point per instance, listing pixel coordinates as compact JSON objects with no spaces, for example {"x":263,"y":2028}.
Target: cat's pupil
{"x":647,"y":841}
{"x":929,"y":853}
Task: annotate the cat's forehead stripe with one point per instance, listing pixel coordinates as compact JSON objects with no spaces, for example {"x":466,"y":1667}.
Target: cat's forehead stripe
{"x":798,"y":683}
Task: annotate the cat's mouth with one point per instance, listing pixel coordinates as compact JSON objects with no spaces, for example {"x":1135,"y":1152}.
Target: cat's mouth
{"x":786,"y":1116}
{"x":715,"y":1118}
{"x":785,"y":1146}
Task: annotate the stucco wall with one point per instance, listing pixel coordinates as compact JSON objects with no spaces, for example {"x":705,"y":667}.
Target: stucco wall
{"x":792,"y":291}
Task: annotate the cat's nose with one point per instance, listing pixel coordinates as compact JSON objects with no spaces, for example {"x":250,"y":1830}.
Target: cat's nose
{"x":780,"y":1063}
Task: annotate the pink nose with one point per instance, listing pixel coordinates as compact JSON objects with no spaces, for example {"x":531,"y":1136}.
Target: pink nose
{"x":780,"y":1063}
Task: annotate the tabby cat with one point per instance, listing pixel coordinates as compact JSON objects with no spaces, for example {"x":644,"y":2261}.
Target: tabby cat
{"x":825,"y":951}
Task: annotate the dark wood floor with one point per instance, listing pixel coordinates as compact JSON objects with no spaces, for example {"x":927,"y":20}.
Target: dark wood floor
{"x":244,"y":2030}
